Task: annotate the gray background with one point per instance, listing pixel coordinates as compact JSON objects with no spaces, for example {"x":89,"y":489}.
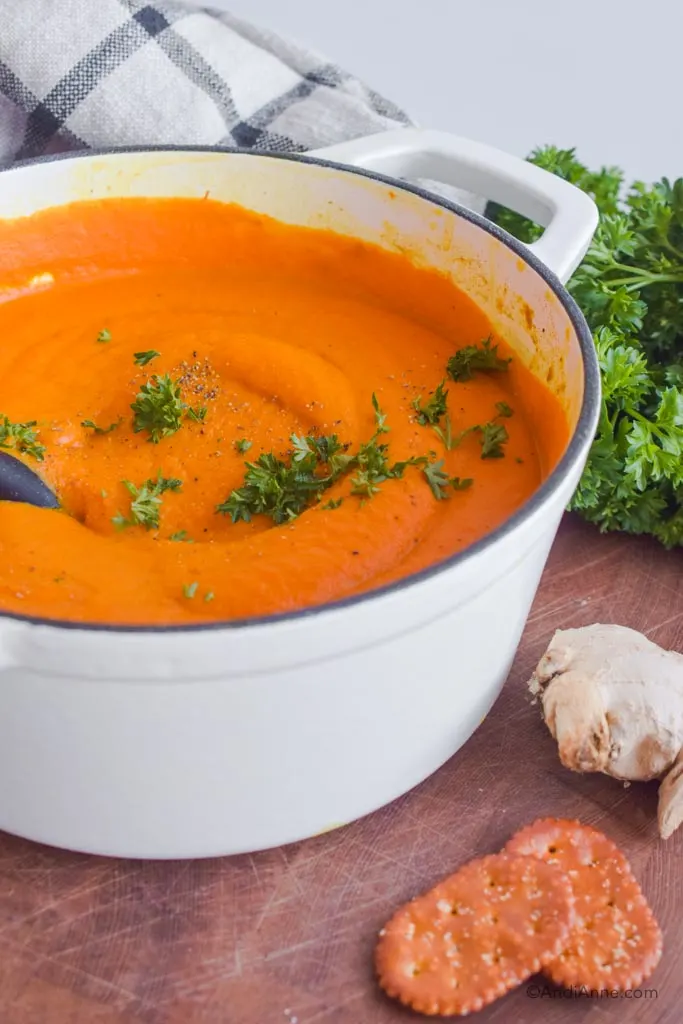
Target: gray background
{"x":602,"y":75}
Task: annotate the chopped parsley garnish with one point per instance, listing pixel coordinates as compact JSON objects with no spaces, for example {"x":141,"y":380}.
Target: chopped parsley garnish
{"x":434,"y":409}
{"x":282,"y":488}
{"x":276,"y":488}
{"x":431,"y":414}
{"x":380,"y":417}
{"x":22,"y":437}
{"x":146,"y":504}
{"x":182,"y":537}
{"x":304,"y":447}
{"x":327,"y":449}
{"x":373,"y":469}
{"x":100,"y":430}
{"x":103,"y":337}
{"x":372,"y":461}
{"x":198,"y":415}
{"x":399,"y":468}
{"x":242,"y":446}
{"x":190,"y":591}
{"x":473,"y":359}
{"x":440,"y":481}
{"x":493,"y":436}
{"x":142,"y":358}
{"x":158,"y":408}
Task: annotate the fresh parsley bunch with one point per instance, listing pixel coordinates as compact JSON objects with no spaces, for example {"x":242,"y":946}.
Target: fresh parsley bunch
{"x":630,"y":288}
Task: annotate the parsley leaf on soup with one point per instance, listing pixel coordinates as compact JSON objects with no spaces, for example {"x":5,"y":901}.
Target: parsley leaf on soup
{"x":145,"y":506}
{"x":282,"y":488}
{"x":380,"y":417}
{"x":143,"y":358}
{"x":198,"y":414}
{"x":440,"y":482}
{"x":492,"y":436}
{"x":101,"y":430}
{"x":158,"y":408}
{"x":433,"y":410}
{"x":23,"y":437}
{"x":472,"y":359}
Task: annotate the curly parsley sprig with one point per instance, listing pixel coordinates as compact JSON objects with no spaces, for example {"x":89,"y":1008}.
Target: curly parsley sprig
{"x":630,"y":288}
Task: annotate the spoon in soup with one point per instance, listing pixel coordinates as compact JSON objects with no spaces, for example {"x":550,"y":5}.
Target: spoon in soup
{"x":19,"y":483}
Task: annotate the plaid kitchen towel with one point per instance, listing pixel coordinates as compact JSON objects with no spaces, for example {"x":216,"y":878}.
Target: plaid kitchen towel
{"x":80,"y":74}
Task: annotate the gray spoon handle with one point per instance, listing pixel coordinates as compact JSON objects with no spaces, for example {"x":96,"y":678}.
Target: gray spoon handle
{"x":19,"y":483}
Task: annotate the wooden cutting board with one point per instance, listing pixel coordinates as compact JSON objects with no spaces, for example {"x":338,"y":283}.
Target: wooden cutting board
{"x":286,"y":936}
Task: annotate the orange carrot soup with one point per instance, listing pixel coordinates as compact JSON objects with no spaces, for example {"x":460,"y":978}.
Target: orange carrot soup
{"x":241,"y":417}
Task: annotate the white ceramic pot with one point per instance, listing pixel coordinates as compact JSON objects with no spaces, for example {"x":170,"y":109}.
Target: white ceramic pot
{"x":212,"y":740}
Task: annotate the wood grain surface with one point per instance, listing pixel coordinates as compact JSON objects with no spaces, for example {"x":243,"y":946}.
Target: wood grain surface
{"x":286,"y":936}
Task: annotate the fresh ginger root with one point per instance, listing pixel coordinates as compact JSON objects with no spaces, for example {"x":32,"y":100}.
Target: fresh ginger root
{"x":613,"y":700}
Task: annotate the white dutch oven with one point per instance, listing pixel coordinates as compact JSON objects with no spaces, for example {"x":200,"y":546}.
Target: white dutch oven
{"x":211,"y":740}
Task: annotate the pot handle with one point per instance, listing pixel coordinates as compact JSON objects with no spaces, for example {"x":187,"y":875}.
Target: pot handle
{"x":568,"y":215}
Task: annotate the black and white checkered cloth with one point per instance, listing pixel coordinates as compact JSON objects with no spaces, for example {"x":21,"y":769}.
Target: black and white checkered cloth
{"x":80,"y":74}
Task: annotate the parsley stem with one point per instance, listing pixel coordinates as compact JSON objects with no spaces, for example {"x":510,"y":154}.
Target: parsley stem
{"x":673,"y":249}
{"x":445,"y":435}
{"x":652,"y":427}
{"x":641,"y":278}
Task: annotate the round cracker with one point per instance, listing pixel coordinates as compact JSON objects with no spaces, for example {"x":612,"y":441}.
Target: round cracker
{"x":476,"y":935}
{"x":616,"y":942}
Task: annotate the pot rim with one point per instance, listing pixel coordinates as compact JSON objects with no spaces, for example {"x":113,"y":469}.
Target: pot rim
{"x":582,"y":435}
